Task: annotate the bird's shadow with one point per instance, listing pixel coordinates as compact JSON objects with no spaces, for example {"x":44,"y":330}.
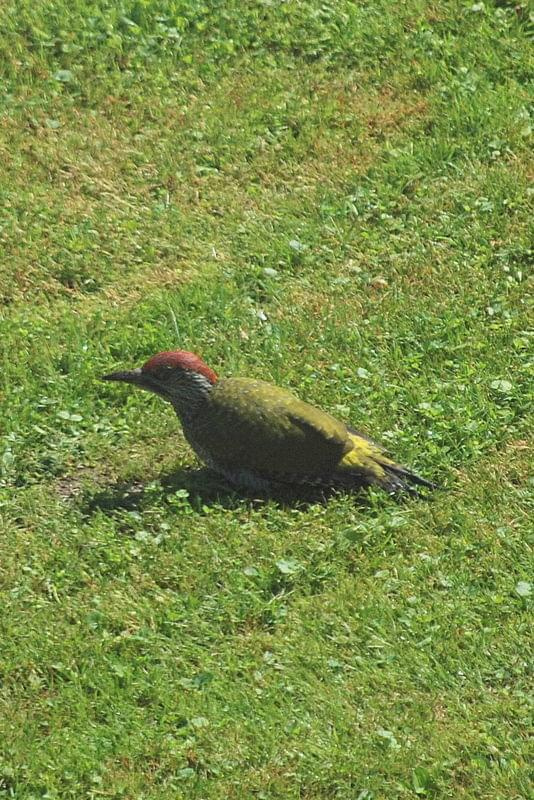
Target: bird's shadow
{"x":202,"y":489}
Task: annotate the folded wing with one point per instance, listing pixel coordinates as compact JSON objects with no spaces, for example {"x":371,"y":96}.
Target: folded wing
{"x":264,"y":428}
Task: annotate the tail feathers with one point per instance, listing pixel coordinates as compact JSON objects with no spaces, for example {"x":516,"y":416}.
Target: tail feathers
{"x":367,"y":460}
{"x":400,"y":479}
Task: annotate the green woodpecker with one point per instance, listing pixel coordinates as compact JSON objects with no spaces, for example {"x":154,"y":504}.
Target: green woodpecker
{"x":260,"y":436}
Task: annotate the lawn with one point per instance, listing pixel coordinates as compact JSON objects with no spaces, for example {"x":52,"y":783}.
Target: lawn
{"x":332,"y":196}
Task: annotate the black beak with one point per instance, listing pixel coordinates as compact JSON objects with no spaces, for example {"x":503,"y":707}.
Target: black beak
{"x":129,"y":376}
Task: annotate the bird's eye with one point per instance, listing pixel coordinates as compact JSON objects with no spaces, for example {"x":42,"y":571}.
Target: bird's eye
{"x":164,"y":373}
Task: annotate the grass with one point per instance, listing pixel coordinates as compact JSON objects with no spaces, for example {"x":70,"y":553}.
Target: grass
{"x":332,"y":196}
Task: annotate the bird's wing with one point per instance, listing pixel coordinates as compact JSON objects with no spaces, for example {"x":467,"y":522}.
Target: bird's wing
{"x":254,"y":425}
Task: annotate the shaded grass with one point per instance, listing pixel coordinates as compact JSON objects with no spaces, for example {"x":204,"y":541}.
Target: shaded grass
{"x":332,"y":197}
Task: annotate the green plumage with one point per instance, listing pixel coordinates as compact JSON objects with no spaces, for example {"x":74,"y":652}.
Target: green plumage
{"x":254,"y":425}
{"x":260,"y":435}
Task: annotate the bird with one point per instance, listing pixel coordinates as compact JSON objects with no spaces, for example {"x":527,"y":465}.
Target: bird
{"x":261,"y":437}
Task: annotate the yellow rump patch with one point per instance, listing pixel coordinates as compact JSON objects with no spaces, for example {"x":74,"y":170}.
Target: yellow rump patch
{"x":364,"y":456}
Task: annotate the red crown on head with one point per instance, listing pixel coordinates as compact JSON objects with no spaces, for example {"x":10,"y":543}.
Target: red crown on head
{"x":180,"y":359}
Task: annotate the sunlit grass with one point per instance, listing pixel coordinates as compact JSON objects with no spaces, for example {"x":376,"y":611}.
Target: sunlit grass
{"x":332,"y":197}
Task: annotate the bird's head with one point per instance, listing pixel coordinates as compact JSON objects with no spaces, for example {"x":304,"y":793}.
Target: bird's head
{"x":180,"y":377}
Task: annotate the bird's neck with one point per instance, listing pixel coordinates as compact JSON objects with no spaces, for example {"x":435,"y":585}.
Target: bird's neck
{"x":189,"y":398}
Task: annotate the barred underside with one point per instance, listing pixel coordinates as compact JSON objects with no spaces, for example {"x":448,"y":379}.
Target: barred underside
{"x":344,"y":478}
